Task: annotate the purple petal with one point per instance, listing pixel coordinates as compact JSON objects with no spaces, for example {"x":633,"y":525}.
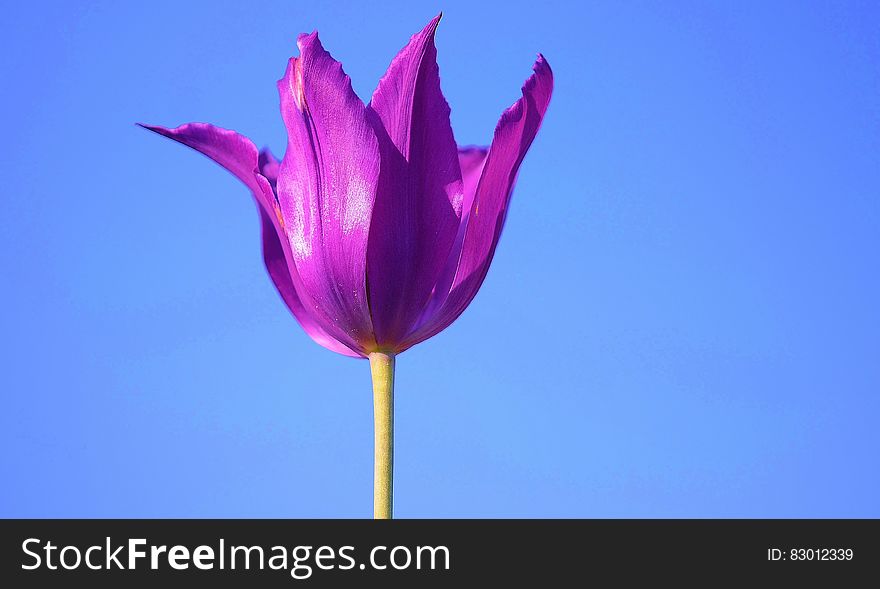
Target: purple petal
{"x":276,"y":264}
{"x":327,"y":186}
{"x":233,"y":151}
{"x":513,"y":135}
{"x":238,"y":154}
{"x":418,"y":205}
{"x":472,"y":160}
{"x":277,"y":257}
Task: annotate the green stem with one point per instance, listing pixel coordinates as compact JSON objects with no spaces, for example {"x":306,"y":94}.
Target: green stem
{"x":382,"y":369}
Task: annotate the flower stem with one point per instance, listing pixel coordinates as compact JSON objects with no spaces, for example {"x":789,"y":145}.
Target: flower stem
{"x":382,"y":369}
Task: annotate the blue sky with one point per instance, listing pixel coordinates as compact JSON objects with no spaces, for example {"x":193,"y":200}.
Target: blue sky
{"x":681,"y":319}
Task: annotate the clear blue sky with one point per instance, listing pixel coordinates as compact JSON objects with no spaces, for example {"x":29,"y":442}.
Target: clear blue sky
{"x":682,"y":318}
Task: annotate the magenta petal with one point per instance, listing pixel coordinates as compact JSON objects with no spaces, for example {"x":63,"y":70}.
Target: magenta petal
{"x":513,"y":135}
{"x":276,"y":256}
{"x":472,"y":160}
{"x":326,"y":187}
{"x":238,"y":154}
{"x":418,"y":204}
{"x":233,"y":151}
{"x":276,"y":265}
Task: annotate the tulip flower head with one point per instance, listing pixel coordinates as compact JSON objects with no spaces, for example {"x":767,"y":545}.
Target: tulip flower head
{"x":377,"y":229}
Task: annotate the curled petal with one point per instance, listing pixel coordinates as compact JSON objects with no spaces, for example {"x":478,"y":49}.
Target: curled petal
{"x":238,"y":154}
{"x":513,"y":135}
{"x":233,"y":151}
{"x":418,"y":205}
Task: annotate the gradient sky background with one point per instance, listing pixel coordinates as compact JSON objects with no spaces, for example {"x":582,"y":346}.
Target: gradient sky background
{"x":681,"y":320}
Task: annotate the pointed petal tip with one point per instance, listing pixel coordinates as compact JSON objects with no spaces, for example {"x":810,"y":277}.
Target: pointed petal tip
{"x":291,"y":63}
{"x":153,"y":128}
{"x":305,"y":41}
{"x":538,"y":86}
{"x":160,"y":130}
{"x":542,"y":64}
{"x":431,"y":27}
{"x":174,"y":132}
{"x":428,"y":31}
{"x":540,"y":81}
{"x":185,"y":128}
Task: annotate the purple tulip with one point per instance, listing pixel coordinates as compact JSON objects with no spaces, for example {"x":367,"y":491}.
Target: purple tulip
{"x":378,"y":229}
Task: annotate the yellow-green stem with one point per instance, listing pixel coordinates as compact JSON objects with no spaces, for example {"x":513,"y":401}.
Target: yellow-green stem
{"x":382,"y":369}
